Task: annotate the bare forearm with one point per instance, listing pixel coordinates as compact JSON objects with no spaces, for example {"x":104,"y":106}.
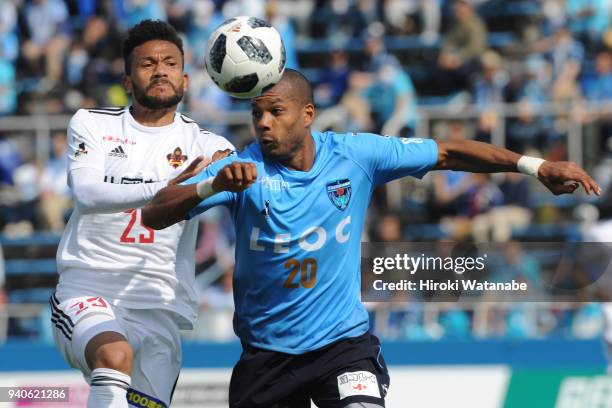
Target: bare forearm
{"x":169,"y":206}
{"x":475,"y":157}
{"x":173,"y":203}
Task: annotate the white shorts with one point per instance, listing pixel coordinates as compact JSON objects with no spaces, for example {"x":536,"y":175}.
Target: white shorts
{"x":153,"y":335}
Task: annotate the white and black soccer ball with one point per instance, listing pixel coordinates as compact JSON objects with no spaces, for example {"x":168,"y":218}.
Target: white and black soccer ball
{"x":245,"y":55}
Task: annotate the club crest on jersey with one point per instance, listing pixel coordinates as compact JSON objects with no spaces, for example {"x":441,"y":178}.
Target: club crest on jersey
{"x":176,"y":158}
{"x":339,"y":192}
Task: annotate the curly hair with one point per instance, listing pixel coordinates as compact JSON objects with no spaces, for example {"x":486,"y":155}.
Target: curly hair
{"x":149,"y":30}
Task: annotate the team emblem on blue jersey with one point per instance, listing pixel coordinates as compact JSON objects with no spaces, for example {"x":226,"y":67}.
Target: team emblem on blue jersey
{"x":339,"y":192}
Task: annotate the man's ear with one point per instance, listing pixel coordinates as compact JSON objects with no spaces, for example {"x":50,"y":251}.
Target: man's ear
{"x":185,"y":82}
{"x":309,"y":114}
{"x":127,"y":84}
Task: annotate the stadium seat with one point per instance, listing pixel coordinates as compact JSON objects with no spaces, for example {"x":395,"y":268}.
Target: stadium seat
{"x":30,"y":266}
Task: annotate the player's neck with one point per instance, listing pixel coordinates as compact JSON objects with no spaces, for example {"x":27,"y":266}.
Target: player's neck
{"x":304,"y":158}
{"x":152,"y":117}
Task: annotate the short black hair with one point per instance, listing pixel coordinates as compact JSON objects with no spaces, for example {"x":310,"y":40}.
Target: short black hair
{"x":300,"y":85}
{"x":149,"y":30}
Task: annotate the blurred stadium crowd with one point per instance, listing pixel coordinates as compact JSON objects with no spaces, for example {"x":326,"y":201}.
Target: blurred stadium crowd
{"x":534,"y":71}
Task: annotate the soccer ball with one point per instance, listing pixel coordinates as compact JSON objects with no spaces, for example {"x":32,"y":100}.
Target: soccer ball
{"x":245,"y":56}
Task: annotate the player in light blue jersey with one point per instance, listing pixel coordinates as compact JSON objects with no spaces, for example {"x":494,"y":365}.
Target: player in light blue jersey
{"x":299,"y":199}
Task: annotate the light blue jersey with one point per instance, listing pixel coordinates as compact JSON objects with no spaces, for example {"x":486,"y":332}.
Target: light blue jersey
{"x":297,"y":277}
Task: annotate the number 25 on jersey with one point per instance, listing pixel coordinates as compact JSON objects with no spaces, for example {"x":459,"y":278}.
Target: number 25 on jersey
{"x":128,"y":238}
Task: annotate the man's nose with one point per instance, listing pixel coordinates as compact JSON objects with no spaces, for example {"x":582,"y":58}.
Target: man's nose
{"x":263,"y":122}
{"x":160,"y":71}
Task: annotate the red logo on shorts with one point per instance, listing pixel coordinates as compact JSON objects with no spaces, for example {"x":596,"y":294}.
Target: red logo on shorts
{"x":92,"y":301}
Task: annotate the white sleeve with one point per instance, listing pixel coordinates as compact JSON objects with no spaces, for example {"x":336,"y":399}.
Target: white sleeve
{"x":92,"y":195}
{"x":210,"y":143}
{"x":222,"y":143}
{"x":84,"y":148}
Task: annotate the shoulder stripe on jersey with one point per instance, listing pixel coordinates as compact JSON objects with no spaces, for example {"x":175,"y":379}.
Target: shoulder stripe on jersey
{"x":110,"y":108}
{"x":103,"y":112}
{"x":187,"y":120}
{"x":190,"y":121}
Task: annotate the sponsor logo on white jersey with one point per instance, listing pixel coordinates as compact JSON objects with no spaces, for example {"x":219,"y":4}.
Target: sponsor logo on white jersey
{"x":117,"y":139}
{"x":118,"y":152}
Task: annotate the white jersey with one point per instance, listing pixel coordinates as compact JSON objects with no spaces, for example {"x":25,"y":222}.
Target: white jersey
{"x":114,"y":255}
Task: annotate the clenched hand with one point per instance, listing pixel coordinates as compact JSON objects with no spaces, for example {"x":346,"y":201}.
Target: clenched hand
{"x":235,"y":177}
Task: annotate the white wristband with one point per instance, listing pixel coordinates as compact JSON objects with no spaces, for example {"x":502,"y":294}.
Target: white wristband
{"x":529,"y":165}
{"x":204,"y":188}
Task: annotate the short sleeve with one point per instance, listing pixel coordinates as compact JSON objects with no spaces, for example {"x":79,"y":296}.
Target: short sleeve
{"x":84,"y":148}
{"x":386,"y":158}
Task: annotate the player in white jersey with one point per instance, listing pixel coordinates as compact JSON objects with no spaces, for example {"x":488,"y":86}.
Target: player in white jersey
{"x":125,"y":290}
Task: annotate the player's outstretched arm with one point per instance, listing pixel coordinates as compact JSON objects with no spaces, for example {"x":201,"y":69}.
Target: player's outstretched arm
{"x":172,"y":203}
{"x":477,"y":157}
{"x":92,"y":195}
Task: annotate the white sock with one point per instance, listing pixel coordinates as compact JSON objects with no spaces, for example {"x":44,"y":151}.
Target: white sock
{"x":108,"y":389}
